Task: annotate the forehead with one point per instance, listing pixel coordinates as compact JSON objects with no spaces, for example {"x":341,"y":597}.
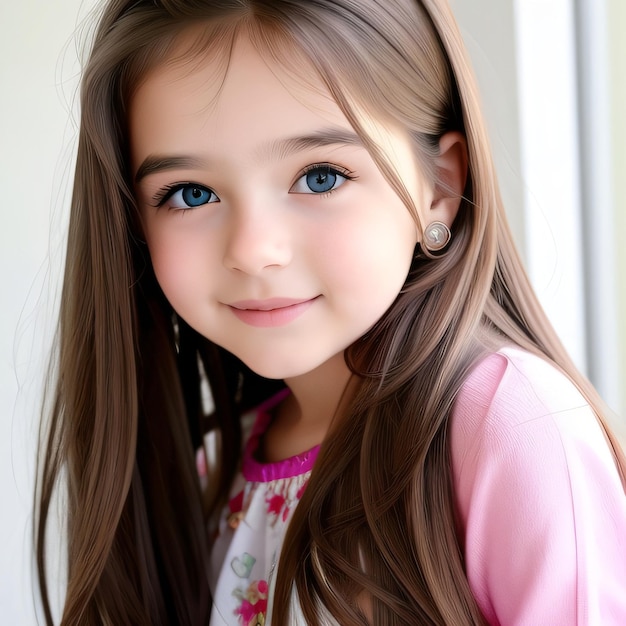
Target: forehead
{"x":231,"y":82}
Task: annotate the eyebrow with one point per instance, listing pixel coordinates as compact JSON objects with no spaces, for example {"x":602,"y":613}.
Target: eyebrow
{"x":282,"y":148}
{"x":275,"y":150}
{"x":160,"y":163}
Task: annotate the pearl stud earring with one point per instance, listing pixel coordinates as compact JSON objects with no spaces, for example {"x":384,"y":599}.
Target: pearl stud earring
{"x":436,"y":236}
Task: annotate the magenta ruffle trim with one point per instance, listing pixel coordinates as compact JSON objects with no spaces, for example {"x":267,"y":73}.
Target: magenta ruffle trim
{"x":253,"y":470}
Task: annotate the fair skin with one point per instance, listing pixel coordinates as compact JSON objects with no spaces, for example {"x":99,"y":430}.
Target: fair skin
{"x":271,"y":230}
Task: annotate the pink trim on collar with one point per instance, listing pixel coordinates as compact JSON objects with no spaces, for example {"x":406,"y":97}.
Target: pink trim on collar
{"x":253,"y":470}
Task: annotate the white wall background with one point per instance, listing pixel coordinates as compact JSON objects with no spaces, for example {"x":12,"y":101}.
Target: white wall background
{"x":523,"y":51}
{"x":34,"y":162}
{"x":524,"y":55}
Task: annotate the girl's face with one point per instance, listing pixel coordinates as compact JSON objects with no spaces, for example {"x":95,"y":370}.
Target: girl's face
{"x":271,"y":230}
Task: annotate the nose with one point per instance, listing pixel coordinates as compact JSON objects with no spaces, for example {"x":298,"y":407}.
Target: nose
{"x":257,"y":240}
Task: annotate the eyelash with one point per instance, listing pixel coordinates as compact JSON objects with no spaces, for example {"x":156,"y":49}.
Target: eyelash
{"x":164,"y":194}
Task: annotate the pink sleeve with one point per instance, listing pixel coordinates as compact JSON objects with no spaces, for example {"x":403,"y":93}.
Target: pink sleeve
{"x":542,"y":511}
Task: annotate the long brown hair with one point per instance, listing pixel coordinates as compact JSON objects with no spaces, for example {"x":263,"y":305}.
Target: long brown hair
{"x":373,"y":540}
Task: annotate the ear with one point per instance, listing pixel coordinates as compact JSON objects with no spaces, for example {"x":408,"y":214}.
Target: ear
{"x":450,"y":178}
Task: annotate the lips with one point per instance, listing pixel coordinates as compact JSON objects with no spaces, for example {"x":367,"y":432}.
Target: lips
{"x":271,"y":312}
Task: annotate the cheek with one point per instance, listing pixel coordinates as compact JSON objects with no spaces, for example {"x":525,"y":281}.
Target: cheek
{"x":170,"y":270}
{"x":179,"y":264}
{"x":369,"y":258}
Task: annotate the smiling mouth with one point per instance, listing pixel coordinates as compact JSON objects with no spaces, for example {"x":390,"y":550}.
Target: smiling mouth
{"x":270,"y":313}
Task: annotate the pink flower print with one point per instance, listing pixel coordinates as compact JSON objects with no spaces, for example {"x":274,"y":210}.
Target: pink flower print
{"x":235,"y":504}
{"x":275,"y":503}
{"x":301,"y":490}
{"x":257,"y":591}
{"x":254,"y":604}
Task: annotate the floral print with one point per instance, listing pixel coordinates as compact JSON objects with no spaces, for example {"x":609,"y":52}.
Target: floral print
{"x":253,"y":606}
{"x":279,"y":504}
{"x":251,"y":532}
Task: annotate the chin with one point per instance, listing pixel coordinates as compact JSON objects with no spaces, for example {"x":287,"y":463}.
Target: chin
{"x":277,"y":369}
{"x":276,"y":372}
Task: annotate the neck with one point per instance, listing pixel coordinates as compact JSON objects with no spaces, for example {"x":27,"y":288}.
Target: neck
{"x":303,"y":418}
{"x":316,"y":395}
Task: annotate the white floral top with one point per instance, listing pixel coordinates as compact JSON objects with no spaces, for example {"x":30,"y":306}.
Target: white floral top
{"x":252,"y":529}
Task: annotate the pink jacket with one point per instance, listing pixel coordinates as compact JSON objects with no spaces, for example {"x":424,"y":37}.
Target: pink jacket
{"x":541,"y":506}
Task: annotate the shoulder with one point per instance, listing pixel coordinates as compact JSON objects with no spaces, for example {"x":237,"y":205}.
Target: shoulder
{"x":514,"y":400}
{"x":516,"y":385}
{"x":518,"y":413}
{"x":541,"y":508}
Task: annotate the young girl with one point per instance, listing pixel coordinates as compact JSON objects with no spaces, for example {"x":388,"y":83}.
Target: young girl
{"x":294,"y":202}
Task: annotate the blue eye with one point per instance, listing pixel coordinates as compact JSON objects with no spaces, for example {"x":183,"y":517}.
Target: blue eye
{"x":187,"y":196}
{"x":195,"y":196}
{"x":319,"y":179}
